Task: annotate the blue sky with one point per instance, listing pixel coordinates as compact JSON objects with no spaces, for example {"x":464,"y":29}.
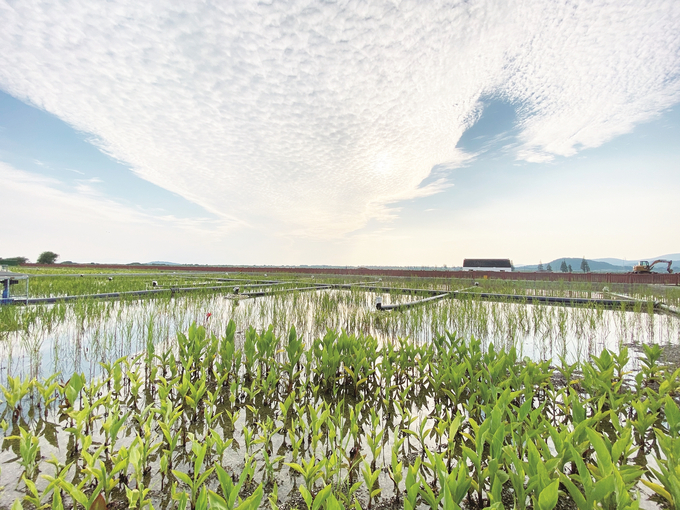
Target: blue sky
{"x":338,"y":133}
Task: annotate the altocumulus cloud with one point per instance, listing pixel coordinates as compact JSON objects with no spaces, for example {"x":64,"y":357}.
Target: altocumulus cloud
{"x":315,"y":117}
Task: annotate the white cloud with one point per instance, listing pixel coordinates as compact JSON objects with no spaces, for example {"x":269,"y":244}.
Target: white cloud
{"x":312,"y":118}
{"x":589,"y":71}
{"x":83,"y":224}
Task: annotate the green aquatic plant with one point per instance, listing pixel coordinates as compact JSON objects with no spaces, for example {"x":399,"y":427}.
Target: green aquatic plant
{"x":196,"y":481}
{"x":112,"y":426}
{"x":295,"y":442}
{"x":33,"y":496}
{"x":48,"y":391}
{"x":230,"y":494}
{"x":443,"y":391}
{"x":371,"y":481}
{"x":412,"y":485}
{"x":396,"y":468}
{"x":650,"y":362}
{"x":374,"y":438}
{"x":29,"y":446}
{"x":195,"y":393}
{"x":14,"y":393}
{"x":73,"y":388}
{"x":105,"y":477}
{"x":310,"y":471}
{"x":294,"y":349}
{"x":668,"y":472}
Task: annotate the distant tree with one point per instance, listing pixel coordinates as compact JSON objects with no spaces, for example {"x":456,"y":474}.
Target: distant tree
{"x":564,"y":267}
{"x":47,"y":257}
{"x":13,"y":261}
{"x":540,"y":266}
{"x":570,"y":269}
{"x":584,"y":266}
{"x":548,"y":268}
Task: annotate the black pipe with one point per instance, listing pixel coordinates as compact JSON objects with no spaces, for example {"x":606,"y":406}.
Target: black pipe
{"x":390,"y":289}
{"x":283,"y":291}
{"x":610,"y":304}
{"x":113,"y":295}
{"x":403,"y":306}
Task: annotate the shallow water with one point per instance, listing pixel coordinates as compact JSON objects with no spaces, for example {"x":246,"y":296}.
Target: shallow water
{"x":104,"y":332}
{"x":80,"y":337}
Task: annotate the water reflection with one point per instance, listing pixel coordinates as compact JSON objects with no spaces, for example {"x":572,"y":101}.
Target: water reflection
{"x":78,"y":337}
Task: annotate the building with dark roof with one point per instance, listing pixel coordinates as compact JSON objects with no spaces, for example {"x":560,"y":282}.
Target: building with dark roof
{"x":487,"y":265}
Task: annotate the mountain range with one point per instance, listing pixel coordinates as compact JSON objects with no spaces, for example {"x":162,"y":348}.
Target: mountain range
{"x":605,"y":265}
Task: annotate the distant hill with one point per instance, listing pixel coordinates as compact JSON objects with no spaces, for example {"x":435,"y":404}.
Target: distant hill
{"x":675,"y":257}
{"x":608,"y":265}
{"x":595,"y":266}
{"x":617,"y":262}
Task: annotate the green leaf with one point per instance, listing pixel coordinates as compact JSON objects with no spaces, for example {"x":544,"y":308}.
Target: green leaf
{"x":216,"y":501}
{"x":183,"y":476}
{"x":548,"y":497}
{"x":202,"y":500}
{"x":57,"y":503}
{"x":297,"y":467}
{"x":306,"y":496}
{"x":574,"y":492}
{"x":253,"y":502}
{"x":602,"y":489}
{"x":333,"y":504}
{"x":202,"y":478}
{"x":75,"y":493}
{"x":659,"y":490}
{"x":354,"y":488}
{"x":604,"y":460}
{"x":673,"y":416}
{"x":321,"y":497}
{"x":449,"y":504}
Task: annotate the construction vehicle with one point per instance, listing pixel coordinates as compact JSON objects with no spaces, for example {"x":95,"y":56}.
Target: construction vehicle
{"x":645,"y":267}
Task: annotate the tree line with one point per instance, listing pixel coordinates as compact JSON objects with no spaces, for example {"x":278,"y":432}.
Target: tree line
{"x":564,"y":267}
{"x":46,"y":257}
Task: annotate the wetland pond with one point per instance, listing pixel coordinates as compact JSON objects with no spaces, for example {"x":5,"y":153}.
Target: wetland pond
{"x":318,"y":400}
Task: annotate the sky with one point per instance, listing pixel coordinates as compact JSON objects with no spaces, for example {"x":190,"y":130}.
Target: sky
{"x":341,"y":133}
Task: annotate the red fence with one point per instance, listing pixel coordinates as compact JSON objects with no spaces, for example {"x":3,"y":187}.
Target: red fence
{"x":654,"y":278}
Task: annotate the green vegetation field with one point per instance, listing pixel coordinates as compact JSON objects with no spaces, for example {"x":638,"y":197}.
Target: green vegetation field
{"x":310,"y":399}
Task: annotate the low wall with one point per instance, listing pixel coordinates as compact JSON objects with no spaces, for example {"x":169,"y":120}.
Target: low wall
{"x":654,"y":278}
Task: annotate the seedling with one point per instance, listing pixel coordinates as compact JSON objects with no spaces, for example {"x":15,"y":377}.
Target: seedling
{"x":14,"y":394}
{"x":28,"y":451}
{"x":199,"y":477}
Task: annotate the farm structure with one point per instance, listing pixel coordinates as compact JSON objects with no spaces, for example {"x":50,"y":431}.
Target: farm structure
{"x":499,"y":265}
{"x":7,"y":280}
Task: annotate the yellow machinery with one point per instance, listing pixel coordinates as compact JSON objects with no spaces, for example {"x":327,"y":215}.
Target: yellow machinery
{"x":645,"y":267}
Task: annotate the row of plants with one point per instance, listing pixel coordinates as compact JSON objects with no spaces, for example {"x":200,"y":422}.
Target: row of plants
{"x":66,"y":284}
{"x":254,"y":419}
{"x":67,"y":337}
{"x":62,"y":280}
